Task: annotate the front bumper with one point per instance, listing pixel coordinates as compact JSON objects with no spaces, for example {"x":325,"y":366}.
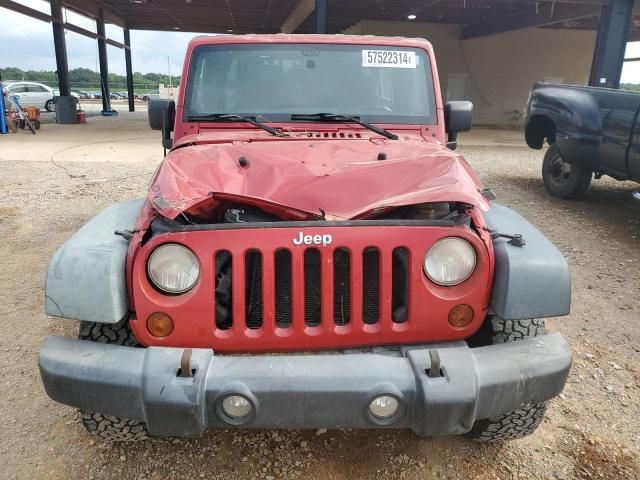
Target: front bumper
{"x":306,"y":391}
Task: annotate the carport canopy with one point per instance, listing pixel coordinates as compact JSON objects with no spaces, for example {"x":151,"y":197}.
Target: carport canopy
{"x":617,"y":21}
{"x":479,"y":17}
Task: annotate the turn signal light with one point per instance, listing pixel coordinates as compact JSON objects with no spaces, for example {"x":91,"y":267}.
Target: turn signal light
{"x":460,"y":316}
{"x":160,"y":324}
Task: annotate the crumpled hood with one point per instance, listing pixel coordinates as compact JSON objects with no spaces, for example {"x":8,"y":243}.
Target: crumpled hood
{"x":302,"y":179}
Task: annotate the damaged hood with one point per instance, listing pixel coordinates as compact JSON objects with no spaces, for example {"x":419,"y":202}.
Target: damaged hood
{"x":304,"y":179}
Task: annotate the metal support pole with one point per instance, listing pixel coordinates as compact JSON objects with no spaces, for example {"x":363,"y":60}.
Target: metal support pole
{"x":104,"y":67}
{"x":60,"y":45}
{"x":321,"y":16}
{"x":611,"y":43}
{"x":127,"y":59}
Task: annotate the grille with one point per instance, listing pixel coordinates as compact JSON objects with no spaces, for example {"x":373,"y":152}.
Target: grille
{"x":325,"y":284}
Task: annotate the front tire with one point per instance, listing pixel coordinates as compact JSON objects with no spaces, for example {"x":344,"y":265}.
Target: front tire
{"x":564,"y":180}
{"x":49,"y":106}
{"x":108,"y":427}
{"x":522,"y":422}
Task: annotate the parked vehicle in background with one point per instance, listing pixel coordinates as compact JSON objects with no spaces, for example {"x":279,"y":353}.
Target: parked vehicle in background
{"x":80,"y":94}
{"x":591,"y":131}
{"x":154,"y":95}
{"x":32,"y":94}
{"x":358,"y":232}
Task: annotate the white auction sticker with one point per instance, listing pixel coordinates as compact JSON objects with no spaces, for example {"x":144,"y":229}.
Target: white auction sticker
{"x":389,"y":58}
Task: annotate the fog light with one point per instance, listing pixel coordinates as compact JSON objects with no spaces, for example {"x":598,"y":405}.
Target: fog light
{"x":160,"y":324}
{"x":384,"y":407}
{"x":236,"y":407}
{"x":460,"y":316}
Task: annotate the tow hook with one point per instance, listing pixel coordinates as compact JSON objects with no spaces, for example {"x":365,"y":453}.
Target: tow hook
{"x":435,"y":370}
{"x":185,"y":364}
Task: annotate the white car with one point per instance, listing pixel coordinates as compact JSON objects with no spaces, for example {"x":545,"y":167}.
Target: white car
{"x":155,"y":95}
{"x":31,"y":94}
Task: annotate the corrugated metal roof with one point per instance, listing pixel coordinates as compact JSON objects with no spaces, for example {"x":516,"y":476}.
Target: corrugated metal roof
{"x":267,"y":16}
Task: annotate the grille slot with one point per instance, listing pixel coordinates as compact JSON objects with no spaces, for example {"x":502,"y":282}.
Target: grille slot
{"x":400,"y":285}
{"x":341,"y":286}
{"x":371,"y":286}
{"x":223,"y":292}
{"x":253,"y":289}
{"x":283,"y":298}
{"x":312,"y":287}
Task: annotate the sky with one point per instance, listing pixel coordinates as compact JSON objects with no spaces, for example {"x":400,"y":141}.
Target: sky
{"x":27,"y":43}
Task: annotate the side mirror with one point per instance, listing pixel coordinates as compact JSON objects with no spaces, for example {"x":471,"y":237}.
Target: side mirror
{"x":162,"y":116}
{"x":458,"y":117}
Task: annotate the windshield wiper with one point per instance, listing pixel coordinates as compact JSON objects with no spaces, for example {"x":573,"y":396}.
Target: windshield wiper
{"x":232,"y":117}
{"x":336,"y":117}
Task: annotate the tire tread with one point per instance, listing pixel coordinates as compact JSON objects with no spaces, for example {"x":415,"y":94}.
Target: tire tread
{"x":524,"y":421}
{"x":108,"y":427}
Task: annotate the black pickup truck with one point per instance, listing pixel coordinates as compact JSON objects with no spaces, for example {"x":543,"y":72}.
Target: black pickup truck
{"x":591,"y":132}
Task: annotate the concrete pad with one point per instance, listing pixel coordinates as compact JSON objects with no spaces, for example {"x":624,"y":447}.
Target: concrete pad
{"x":124,"y":138}
{"x":492,"y":137}
{"x":128,"y":138}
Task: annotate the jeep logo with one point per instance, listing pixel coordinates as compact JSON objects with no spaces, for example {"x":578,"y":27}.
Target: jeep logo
{"x":324,"y":240}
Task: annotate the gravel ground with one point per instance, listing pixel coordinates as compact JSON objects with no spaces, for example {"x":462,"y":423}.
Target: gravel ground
{"x":591,"y":431}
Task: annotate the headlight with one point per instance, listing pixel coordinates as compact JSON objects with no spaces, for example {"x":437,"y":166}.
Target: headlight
{"x":173,"y":268}
{"x":450,"y":261}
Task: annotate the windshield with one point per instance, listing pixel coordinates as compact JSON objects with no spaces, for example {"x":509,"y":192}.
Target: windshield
{"x":376,"y":83}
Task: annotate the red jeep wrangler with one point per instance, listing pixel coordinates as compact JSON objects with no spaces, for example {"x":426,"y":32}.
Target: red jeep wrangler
{"x":311,"y":254}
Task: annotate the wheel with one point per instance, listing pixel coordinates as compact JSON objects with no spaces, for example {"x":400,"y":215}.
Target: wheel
{"x":36,"y":123}
{"x":564,"y":180}
{"x":49,"y":106}
{"x":108,"y":427}
{"x":145,"y":99}
{"x":521,"y":422}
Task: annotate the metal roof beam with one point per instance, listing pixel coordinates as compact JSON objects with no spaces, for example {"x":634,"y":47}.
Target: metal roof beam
{"x":543,"y":15}
{"x":24,"y":10}
{"x":299,"y":14}
{"x":30,"y":12}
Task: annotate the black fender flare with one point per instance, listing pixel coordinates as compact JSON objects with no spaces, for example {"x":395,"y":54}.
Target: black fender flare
{"x":86,"y":277}
{"x":530,"y":281}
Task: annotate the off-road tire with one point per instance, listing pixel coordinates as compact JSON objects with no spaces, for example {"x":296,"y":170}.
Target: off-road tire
{"x":50,"y":106}
{"x":114,"y":429}
{"x":564,"y":180}
{"x":521,"y":422}
{"x":108,"y":427}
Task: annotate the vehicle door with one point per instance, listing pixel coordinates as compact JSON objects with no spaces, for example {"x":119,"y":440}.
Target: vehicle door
{"x":633,"y":158}
{"x":20,"y":91}
{"x":618,"y":110}
{"x":40,"y":95}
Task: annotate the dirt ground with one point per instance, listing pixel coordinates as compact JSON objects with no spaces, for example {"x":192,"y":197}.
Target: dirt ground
{"x":52,"y":183}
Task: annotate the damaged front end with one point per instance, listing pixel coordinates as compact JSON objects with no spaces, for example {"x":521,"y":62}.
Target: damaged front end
{"x":273,"y":284}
